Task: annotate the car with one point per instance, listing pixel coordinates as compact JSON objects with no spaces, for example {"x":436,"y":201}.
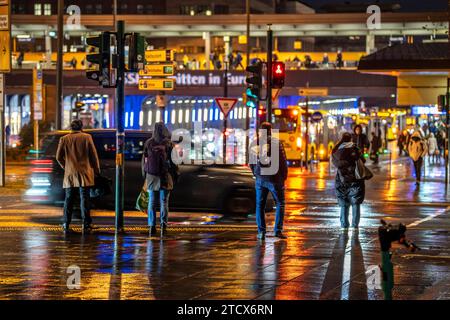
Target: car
{"x":228,"y":189}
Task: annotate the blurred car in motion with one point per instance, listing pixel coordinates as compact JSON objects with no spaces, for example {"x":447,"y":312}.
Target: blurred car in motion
{"x":228,"y":189}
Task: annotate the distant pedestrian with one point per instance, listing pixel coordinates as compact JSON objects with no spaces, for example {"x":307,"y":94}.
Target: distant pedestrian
{"x":160,"y":175}
{"x":433,"y":150}
{"x":270,"y":182}
{"x":238,"y":61}
{"x":350,"y":191}
{"x":440,"y":142}
{"x":77,"y":155}
{"x":375,"y":146}
{"x":401,"y":143}
{"x":339,"y":60}
{"x":7,"y":134}
{"x":360,"y":139}
{"x":20,"y":59}
{"x":417,"y":149}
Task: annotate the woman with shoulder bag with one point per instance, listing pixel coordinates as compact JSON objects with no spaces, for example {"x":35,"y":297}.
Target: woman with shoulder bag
{"x":350,"y":191}
{"x":158,"y":168}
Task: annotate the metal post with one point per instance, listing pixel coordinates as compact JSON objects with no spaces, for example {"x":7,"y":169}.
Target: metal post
{"x":120,"y":135}
{"x":306,"y":133}
{"x":2,"y":131}
{"x":249,"y":109}
{"x":59,"y":65}
{"x":269,"y":73}
{"x":225,"y":94}
{"x":447,"y":140}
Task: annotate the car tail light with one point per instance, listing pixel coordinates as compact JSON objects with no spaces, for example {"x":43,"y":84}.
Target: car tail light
{"x":42,"y":166}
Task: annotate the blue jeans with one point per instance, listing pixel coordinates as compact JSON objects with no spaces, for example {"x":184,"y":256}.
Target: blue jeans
{"x":262,"y":191}
{"x":85,"y":204}
{"x":164,"y":206}
{"x":356,"y":213}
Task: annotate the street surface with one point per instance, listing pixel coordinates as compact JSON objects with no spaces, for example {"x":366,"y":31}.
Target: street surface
{"x":208,"y":256}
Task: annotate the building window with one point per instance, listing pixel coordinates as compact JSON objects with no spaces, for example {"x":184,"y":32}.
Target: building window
{"x":47,"y":9}
{"x":37,"y":9}
{"x":98,"y":9}
{"x":187,"y":10}
{"x":123,"y":8}
{"x":89,"y":9}
{"x":221,"y":9}
{"x":149,"y":9}
{"x":140,"y":9}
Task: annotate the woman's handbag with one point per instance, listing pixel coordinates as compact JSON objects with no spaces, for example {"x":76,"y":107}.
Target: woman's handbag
{"x":362,"y":172}
{"x":142,"y":200}
{"x":102,"y":187}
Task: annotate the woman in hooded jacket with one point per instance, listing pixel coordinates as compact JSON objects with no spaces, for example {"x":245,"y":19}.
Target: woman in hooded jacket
{"x":417,"y":149}
{"x":350,"y":191}
{"x":159,"y":174}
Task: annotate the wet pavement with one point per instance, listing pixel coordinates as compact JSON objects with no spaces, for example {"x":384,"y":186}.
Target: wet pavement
{"x":207,"y":256}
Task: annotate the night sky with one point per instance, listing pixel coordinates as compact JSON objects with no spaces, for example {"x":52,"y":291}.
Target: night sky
{"x":407,"y":5}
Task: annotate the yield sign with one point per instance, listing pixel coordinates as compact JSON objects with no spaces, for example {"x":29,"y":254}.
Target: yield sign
{"x":226,"y":104}
{"x":275,"y":93}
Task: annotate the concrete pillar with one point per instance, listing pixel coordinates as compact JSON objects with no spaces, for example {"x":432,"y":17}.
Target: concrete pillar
{"x":48,"y":49}
{"x":207,"y":38}
{"x":370,"y":43}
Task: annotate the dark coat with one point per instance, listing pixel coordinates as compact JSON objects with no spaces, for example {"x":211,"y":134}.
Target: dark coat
{"x":349,"y":190}
{"x":361,"y":141}
{"x":282,"y":172}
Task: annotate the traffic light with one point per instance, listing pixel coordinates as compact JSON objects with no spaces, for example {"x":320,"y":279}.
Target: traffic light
{"x":278,"y":74}
{"x":254,"y":80}
{"x":102,"y":59}
{"x":79,"y":105}
{"x":136,"y":52}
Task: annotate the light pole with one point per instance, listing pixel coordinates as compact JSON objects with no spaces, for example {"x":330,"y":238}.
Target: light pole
{"x":59,"y":65}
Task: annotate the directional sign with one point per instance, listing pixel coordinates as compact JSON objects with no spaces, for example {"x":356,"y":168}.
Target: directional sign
{"x":226,"y":105}
{"x":156,"y":84}
{"x":37,"y":94}
{"x":159,"y":55}
{"x":316,"y":116}
{"x":157,"y":70}
{"x":5,"y":51}
{"x":313,"y":92}
{"x":4,"y":18}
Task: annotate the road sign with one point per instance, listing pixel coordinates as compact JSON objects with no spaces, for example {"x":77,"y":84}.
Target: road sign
{"x":275,"y":93}
{"x":159,"y":55}
{"x":4,"y":17}
{"x":5,"y":51}
{"x":226,"y":105}
{"x":313,"y":92}
{"x":156,"y":84}
{"x":157,"y":70}
{"x":37,"y":94}
{"x":316,"y":116}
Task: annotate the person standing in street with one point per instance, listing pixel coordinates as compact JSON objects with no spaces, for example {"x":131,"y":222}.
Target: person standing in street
{"x":77,"y":155}
{"x":160,"y":175}
{"x":433,"y":150}
{"x":417,"y":149}
{"x":360,"y":140}
{"x":273,"y":183}
{"x":350,"y":191}
{"x":375,"y":146}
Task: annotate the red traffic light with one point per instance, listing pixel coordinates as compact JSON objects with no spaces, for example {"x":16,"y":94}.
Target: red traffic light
{"x":278,"y":74}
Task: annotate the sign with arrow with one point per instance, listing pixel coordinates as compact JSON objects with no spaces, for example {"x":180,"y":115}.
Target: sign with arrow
{"x":226,"y":105}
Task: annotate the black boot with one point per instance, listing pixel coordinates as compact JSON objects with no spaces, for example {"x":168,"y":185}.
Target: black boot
{"x":152,"y":231}
{"x":163,"y":230}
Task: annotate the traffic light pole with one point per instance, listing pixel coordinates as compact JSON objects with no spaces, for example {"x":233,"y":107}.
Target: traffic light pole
{"x":120,"y":133}
{"x":269,"y":73}
{"x":306,"y":133}
{"x":225,"y":94}
{"x":447,"y":132}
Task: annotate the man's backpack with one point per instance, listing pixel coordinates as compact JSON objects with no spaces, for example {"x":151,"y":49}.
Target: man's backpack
{"x":156,"y":160}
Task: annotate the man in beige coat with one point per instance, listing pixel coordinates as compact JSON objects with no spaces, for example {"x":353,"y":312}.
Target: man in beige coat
{"x":77,"y":155}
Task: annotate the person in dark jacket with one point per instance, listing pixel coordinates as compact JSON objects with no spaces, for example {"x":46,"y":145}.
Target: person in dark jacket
{"x":376,"y":144}
{"x":159,"y":184}
{"x":349,"y":190}
{"x":360,"y":139}
{"x":270,"y":181}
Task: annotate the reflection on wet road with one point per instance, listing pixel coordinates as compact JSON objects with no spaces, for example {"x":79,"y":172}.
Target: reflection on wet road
{"x":210,"y":256}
